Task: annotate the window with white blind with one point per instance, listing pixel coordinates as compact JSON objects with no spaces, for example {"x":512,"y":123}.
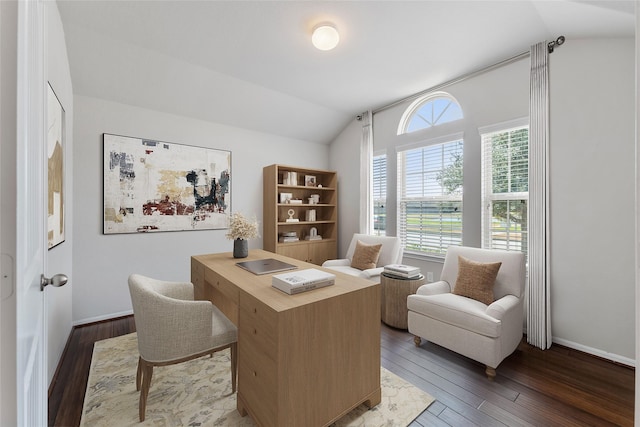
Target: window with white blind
{"x":379,"y":194}
{"x":430,"y":197}
{"x":505,"y":187}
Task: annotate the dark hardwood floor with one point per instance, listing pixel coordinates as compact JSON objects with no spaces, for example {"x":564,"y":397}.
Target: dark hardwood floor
{"x":556,"y":387}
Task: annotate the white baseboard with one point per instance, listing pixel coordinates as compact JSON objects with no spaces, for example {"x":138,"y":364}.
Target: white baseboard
{"x":594,"y":351}
{"x":101,"y":318}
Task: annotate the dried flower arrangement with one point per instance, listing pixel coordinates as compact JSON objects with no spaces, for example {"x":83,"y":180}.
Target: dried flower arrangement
{"x":242,"y":228}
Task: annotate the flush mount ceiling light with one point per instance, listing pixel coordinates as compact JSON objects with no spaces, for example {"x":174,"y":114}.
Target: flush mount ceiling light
{"x":325,"y":37}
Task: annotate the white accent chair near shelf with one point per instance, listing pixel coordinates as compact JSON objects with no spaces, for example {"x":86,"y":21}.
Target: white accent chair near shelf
{"x":390,"y":253}
{"x":173,"y":328}
{"x":485,"y":333}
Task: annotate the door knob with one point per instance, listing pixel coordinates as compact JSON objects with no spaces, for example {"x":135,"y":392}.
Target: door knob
{"x":57,"y":281}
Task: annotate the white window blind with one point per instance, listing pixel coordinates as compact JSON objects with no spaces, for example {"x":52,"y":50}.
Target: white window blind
{"x":505,"y":188}
{"x":430,"y":197}
{"x":380,"y":194}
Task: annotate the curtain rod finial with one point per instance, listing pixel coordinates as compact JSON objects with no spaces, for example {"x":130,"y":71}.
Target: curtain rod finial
{"x":557,"y":42}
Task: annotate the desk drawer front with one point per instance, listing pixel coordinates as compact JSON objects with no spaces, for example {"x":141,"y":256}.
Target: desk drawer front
{"x":222,"y":285}
{"x":257,"y":384}
{"x":260,"y":336}
{"x":257,"y":316}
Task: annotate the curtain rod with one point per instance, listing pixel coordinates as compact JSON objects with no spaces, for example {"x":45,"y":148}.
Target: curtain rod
{"x":550,"y":47}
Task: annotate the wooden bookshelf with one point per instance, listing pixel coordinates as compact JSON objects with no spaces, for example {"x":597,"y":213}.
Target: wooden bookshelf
{"x":278,"y":180}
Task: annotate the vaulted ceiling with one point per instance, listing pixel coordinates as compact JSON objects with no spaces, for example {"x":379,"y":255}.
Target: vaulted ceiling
{"x":251,"y":64}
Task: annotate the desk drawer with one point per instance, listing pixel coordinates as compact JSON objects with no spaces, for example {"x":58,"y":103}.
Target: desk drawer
{"x":258,"y":387}
{"x":256,"y":315}
{"x":222,"y":285}
{"x":260,"y":335}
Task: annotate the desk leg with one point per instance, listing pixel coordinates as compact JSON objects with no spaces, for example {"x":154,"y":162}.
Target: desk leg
{"x":373,"y":399}
{"x":240,"y":406}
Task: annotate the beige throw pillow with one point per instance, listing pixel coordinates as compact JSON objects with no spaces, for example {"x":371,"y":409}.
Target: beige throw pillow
{"x":365,"y":256}
{"x":475,"y":279}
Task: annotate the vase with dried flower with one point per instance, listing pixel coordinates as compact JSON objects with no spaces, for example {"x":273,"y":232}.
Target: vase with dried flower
{"x":240,"y":230}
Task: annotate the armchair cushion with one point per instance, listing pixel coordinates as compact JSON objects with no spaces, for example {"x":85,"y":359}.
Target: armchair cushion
{"x":365,"y":256}
{"x":465,"y":313}
{"x":475,"y":279}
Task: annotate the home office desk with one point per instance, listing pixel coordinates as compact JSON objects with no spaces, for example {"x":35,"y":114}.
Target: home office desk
{"x":304,"y":359}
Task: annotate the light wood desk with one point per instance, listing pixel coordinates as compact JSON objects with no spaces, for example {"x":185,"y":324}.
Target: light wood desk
{"x":304,"y":359}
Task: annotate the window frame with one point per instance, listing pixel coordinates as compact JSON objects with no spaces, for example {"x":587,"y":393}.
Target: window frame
{"x":416,"y":105}
{"x":488,"y":197}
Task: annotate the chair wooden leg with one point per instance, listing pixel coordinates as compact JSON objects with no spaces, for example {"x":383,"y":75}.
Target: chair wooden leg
{"x":234,"y":365}
{"x":491,"y":373}
{"x":139,"y":374}
{"x":417,"y":340}
{"x":147,"y":373}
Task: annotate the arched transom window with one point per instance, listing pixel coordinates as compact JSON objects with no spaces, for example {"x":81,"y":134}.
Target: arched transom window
{"x":428,"y":111}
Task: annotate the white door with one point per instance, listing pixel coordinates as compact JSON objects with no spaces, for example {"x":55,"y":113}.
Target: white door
{"x":31,"y":243}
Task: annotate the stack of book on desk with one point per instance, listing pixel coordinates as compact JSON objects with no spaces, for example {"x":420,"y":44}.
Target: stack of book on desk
{"x":303,"y":280}
{"x":402,"y":271}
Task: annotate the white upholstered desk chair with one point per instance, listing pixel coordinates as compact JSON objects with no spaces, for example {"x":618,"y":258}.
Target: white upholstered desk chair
{"x":390,"y":253}
{"x":173,"y":328}
{"x":486,"y":333}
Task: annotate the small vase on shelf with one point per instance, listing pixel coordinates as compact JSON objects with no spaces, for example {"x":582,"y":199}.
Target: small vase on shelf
{"x":240,"y":248}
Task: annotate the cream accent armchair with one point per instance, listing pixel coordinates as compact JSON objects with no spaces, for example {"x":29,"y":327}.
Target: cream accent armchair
{"x":485,"y":333}
{"x":391,"y":253}
{"x":173,"y":328}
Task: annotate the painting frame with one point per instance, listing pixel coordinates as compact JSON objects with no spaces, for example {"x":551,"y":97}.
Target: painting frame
{"x":55,"y":169}
{"x":156,"y":186}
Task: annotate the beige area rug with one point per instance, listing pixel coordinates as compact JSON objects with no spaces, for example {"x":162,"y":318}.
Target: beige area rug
{"x":198,"y":393}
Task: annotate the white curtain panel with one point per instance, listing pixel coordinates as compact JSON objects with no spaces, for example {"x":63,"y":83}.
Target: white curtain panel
{"x":366,"y":173}
{"x":538,"y":301}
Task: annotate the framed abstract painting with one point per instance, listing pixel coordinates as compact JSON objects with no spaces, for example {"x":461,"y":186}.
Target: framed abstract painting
{"x":55,"y":169}
{"x":152,"y":186}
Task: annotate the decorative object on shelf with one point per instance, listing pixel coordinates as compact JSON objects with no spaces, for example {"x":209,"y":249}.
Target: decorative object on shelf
{"x":240,"y":230}
{"x":310,"y":215}
{"x":313,"y":234}
{"x":285,"y":197}
{"x":290,"y":178}
{"x":295,"y":202}
{"x":316,"y":198}
{"x":310,"y":180}
{"x":55,"y":155}
{"x":289,"y":236}
{"x":159,"y":186}
{"x":291,"y":213}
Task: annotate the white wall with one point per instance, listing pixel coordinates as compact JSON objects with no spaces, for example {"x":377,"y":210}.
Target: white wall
{"x":59,"y":259}
{"x":592,"y":196}
{"x":592,"y":158}
{"x":344,"y":157}
{"x":102,"y":263}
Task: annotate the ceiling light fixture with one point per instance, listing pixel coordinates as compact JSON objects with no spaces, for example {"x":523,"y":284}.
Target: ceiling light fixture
{"x":325,"y":37}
